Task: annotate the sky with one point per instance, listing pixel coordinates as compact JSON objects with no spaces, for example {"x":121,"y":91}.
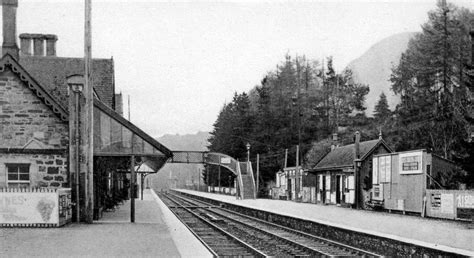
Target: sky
{"x":180,"y":62}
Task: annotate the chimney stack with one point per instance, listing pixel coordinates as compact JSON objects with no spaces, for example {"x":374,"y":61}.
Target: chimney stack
{"x":335,"y":141}
{"x":357,"y":145}
{"x":38,"y":42}
{"x":51,"y":44}
{"x":9,"y":45}
{"x":119,"y":103}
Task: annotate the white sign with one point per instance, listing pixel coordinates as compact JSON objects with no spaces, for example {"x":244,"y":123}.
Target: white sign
{"x":410,"y":162}
{"x":447,"y":203}
{"x":225,"y":160}
{"x":27,"y":207}
{"x":465,"y":201}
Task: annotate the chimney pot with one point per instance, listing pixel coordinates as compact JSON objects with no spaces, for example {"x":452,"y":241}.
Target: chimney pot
{"x":25,"y":44}
{"x":51,"y":44}
{"x":38,"y":44}
{"x":9,"y":45}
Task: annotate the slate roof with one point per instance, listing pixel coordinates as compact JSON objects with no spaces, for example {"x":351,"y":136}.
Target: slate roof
{"x":8,"y":62}
{"x":51,"y":72}
{"x":344,"y":156}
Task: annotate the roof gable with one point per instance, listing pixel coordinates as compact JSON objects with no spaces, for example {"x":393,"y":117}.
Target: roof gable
{"x":344,"y":156}
{"x":8,"y":62}
{"x":51,"y":72}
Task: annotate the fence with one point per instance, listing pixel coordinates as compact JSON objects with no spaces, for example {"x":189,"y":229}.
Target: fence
{"x":222,"y":190}
{"x":450,"y":204}
{"x":35,"y":207}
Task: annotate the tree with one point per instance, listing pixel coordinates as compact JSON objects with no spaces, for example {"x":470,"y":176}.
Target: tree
{"x":381,"y":110}
{"x":289,"y":107}
{"x":343,"y":98}
{"x":431,"y":80}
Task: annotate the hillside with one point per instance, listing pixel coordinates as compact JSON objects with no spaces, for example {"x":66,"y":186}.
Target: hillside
{"x":179,"y":175}
{"x":189,"y":142}
{"x":374,"y":68}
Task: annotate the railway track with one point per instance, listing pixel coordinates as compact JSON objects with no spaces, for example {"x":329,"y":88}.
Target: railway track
{"x":253,"y":236}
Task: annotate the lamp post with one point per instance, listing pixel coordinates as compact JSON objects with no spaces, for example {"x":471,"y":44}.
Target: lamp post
{"x":296,"y":102}
{"x":77,"y":86}
{"x":248,"y":151}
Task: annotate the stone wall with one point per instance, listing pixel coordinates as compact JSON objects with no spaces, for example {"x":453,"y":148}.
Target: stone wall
{"x":28,"y":126}
{"x":23,"y":116}
{"x":45,"y":170}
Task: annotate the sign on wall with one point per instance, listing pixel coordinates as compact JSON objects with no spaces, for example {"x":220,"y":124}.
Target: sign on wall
{"x":411,"y":163}
{"x":28,"y":208}
{"x":447,"y":203}
{"x":450,"y":204}
{"x":465,"y":201}
{"x":225,"y":160}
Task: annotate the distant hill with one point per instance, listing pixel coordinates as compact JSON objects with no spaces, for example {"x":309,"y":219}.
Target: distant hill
{"x":179,"y":175}
{"x":374,"y":68}
{"x":189,"y":142}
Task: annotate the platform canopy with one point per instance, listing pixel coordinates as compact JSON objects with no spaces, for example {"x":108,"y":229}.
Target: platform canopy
{"x":115,"y":136}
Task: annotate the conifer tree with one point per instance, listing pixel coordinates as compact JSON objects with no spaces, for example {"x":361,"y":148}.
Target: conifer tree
{"x":431,"y":80}
{"x":381,"y":110}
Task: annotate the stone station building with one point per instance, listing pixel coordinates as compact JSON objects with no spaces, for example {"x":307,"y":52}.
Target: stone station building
{"x":35,"y":120}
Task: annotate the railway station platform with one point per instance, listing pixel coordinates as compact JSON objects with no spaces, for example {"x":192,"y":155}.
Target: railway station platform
{"x":450,"y":236}
{"x":155,"y":233}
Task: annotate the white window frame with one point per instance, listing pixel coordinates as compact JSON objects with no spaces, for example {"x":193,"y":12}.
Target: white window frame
{"x":382,"y":169}
{"x":375,"y":170}
{"x":18,"y":181}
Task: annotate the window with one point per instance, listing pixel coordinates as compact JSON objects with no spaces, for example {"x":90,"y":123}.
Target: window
{"x":381,"y":169}
{"x":375,"y":171}
{"x":18,"y":175}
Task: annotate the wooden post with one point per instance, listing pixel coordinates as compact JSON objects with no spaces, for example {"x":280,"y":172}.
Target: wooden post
{"x":219,"y":175}
{"x":87,"y":133}
{"x":207,"y":179}
{"x":132,"y":189}
{"x":297,"y":173}
{"x":141,"y":185}
{"x":258,"y":173}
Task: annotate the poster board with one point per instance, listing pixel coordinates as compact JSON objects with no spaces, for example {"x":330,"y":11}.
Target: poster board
{"x":29,"y":208}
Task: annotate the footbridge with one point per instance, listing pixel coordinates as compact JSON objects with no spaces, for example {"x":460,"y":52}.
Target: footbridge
{"x":242,"y":170}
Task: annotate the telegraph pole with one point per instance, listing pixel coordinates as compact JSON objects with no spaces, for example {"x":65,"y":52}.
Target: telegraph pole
{"x":298,"y":124}
{"x":87,"y":133}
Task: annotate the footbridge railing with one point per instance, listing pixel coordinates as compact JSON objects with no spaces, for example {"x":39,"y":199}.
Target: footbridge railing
{"x":213,"y":158}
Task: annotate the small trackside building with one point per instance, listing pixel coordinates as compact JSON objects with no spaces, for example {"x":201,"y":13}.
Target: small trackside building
{"x":401,"y":180}
{"x":336,"y":178}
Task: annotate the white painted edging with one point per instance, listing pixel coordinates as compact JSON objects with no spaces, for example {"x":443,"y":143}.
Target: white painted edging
{"x":186,"y":243}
